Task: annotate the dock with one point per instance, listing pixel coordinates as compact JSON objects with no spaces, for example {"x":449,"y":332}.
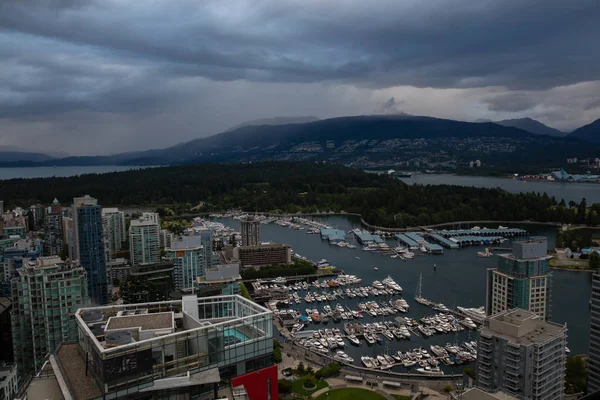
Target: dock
{"x":505,"y":232}
{"x":414,"y":239}
{"x":406,"y":240}
{"x":470,"y":240}
{"x":443,"y":241}
{"x":333,"y":235}
{"x":365,"y":237}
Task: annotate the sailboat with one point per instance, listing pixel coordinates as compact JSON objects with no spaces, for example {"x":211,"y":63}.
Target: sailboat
{"x":419,"y":295}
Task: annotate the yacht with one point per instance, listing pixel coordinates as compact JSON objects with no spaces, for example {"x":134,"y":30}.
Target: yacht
{"x":378,"y":285}
{"x":430,"y":371}
{"x":340,"y":355}
{"x":354,"y":340}
{"x":375,"y":269}
{"x":369,"y":338}
{"x":390,"y":283}
{"x":367,"y":361}
{"x":279,"y":279}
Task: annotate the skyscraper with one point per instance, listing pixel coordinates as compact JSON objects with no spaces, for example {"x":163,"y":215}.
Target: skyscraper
{"x":522,"y":356}
{"x":522,"y":280}
{"x":188,"y":257}
{"x":594,"y":352}
{"x":114,"y":229}
{"x":88,"y":246}
{"x":49,"y":292}
{"x":53,"y":230}
{"x":144,"y":242}
{"x":250,"y":231}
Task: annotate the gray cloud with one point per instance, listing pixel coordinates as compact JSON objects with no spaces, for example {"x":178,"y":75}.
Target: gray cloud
{"x":120,"y":63}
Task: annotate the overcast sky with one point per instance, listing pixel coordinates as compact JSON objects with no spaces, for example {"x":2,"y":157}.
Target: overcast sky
{"x":105,"y":76}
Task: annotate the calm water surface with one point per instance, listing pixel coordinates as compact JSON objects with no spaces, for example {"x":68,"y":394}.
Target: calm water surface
{"x":567,"y":191}
{"x":458,"y":281}
{"x":48,"y":172}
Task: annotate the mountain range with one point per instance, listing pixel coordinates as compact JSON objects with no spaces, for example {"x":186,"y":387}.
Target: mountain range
{"x":365,"y":141}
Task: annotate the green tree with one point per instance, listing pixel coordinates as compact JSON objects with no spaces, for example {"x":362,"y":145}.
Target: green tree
{"x":300,"y":368}
{"x":576,"y":378}
{"x":285,"y":386}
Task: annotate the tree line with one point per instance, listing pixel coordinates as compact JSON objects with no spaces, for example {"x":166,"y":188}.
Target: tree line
{"x":292,"y":187}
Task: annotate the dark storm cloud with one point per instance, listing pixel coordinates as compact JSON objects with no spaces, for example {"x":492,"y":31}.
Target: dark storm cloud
{"x":117,"y":56}
{"x":511,"y":102}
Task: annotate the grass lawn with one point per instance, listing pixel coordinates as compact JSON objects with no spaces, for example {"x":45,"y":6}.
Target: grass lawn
{"x":297,"y":387}
{"x":401,"y":397}
{"x":350,"y":394}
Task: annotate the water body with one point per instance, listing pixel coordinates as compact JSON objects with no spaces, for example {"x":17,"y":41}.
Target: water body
{"x":48,"y":172}
{"x":566,"y":191}
{"x":458,"y":281}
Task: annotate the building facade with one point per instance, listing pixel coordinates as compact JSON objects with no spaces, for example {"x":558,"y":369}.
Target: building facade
{"x":188,"y":257}
{"x":47,"y":292}
{"x":177,"y":348}
{"x":263,"y":255}
{"x":113,"y":222}
{"x":148,"y":283}
{"x":522,"y":355}
{"x":166,"y":237}
{"x":250,"y":231}
{"x":8,"y":380}
{"x":88,"y":246}
{"x":522,"y":279}
{"x":144,"y":242}
{"x":594,"y":351}
{"x":53,"y":230}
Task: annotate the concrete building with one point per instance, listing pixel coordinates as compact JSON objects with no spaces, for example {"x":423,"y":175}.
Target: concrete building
{"x":113,"y":223}
{"x":176,"y":349}
{"x":144,"y":242}
{"x":250,"y":231}
{"x":478,"y":394}
{"x":15,"y":230}
{"x":119,"y":269}
{"x":148,"y":283}
{"x":53,"y":230}
{"x":47,"y":294}
{"x":219,"y":280}
{"x":88,"y":246}
{"x":522,"y":355}
{"x":8,"y":380}
{"x":522,"y":279}
{"x":166,"y":237}
{"x":189,"y":261}
{"x":263,"y":255}
{"x":1,"y":207}
{"x":37,"y":213}
{"x":594,"y":351}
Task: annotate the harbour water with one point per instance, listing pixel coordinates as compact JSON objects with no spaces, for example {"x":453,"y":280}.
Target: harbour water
{"x":48,"y":172}
{"x":458,"y":280}
{"x":566,"y":191}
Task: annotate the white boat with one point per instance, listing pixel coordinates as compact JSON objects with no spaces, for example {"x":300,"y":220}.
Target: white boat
{"x":357,"y":257}
{"x":485,"y":254}
{"x":354,"y":340}
{"x":279,"y":279}
{"x":430,"y":371}
{"x":375,"y":269}
{"x":419,"y":294}
{"x":367,"y":361}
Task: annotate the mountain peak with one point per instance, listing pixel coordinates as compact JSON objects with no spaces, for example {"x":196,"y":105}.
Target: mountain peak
{"x":531,"y":125}
{"x":275,"y":121}
{"x":589,"y":132}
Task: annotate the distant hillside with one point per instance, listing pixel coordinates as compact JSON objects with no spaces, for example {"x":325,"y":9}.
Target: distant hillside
{"x":365,"y":142}
{"x":19,"y":156}
{"x":590,"y":132}
{"x":275,"y":121}
{"x":532,"y":126}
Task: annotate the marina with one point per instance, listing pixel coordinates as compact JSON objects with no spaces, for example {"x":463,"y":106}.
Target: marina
{"x":458,"y":282}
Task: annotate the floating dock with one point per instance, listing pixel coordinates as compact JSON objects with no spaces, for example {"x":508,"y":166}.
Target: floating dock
{"x":504,"y":232}
{"x":463,"y":241}
{"x":414,"y":239}
{"x":407,"y":240}
{"x":333,"y":235}
{"x":365,"y":237}
{"x":443,"y":241}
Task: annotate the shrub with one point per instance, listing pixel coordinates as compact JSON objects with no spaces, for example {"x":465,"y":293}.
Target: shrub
{"x":328,"y":370}
{"x":285,"y":386}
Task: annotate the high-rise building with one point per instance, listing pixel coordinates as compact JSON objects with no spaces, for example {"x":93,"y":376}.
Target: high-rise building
{"x":114,"y":229}
{"x":48,"y":292}
{"x":53,"y":230}
{"x":166,"y":237}
{"x":148,"y":283}
{"x":250,"y":231}
{"x":189,"y":261}
{"x":144,"y":242}
{"x":9,"y":380}
{"x":522,"y":355}
{"x":175,"y":349}
{"x":522,"y":279}
{"x":88,"y":246}
{"x":1,"y":207}
{"x":36,"y":212}
{"x":263,"y":255}
{"x":594,"y":351}
{"x":151,"y":216}
{"x":6,"y":344}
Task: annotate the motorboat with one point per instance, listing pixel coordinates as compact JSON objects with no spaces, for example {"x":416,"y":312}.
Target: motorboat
{"x":354,"y":340}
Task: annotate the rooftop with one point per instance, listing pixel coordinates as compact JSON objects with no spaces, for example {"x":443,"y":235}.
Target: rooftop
{"x":522,"y":327}
{"x":142,"y":321}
